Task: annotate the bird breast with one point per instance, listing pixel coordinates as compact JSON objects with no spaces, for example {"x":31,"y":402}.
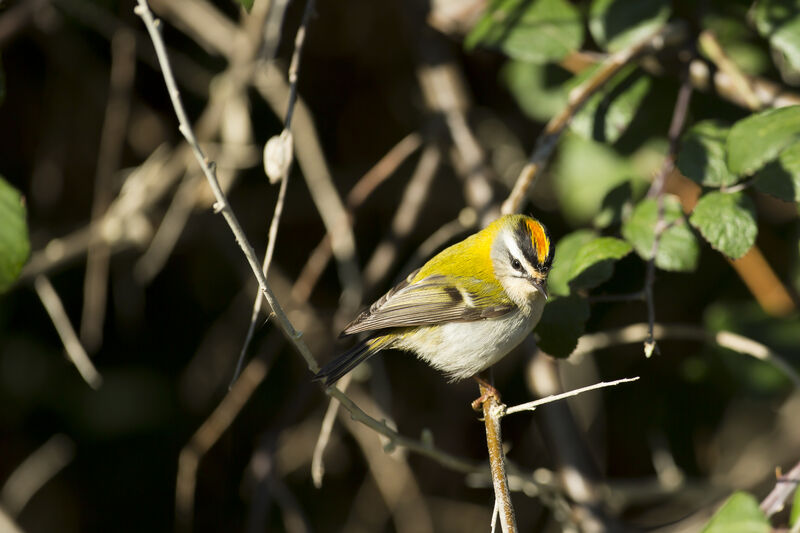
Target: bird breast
{"x":463,"y":349}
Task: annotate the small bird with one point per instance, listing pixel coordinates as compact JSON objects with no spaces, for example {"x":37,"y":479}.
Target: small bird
{"x":464,"y":309}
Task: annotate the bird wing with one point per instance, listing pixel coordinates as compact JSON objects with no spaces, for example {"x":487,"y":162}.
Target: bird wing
{"x":433,"y":300}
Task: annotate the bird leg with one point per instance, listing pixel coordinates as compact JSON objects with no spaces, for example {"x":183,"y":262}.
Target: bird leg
{"x":488,"y":391}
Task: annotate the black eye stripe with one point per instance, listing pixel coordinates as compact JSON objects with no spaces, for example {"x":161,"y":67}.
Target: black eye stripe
{"x":522,"y":237}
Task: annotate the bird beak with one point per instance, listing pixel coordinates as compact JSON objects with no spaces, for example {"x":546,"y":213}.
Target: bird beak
{"x":541,"y":288}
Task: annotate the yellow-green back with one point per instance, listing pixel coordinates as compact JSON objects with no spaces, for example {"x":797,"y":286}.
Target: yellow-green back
{"x":472,"y":255}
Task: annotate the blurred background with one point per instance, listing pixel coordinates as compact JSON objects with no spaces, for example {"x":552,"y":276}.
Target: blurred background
{"x":420,"y":139}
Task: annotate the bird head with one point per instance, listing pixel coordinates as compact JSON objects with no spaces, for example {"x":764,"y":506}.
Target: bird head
{"x":521,"y":257}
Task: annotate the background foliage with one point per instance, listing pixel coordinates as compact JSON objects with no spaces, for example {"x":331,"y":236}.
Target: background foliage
{"x":699,"y":220}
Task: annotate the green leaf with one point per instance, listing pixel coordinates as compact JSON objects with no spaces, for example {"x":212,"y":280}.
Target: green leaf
{"x":540,"y":31}
{"x":594,"y":261}
{"x":779,"y":22}
{"x":758,"y":139}
{"x":677,"y":248}
{"x":607,"y":113}
{"x":794,"y":515}
{"x":702,"y":157}
{"x":781,"y":178}
{"x":615,"y":203}
{"x":247,"y":4}
{"x":739,"y":514}
{"x":538,"y":89}
{"x":567,"y":247}
{"x":584,"y":172}
{"x":736,"y":38}
{"x":562,"y":324}
{"x":727,"y":222}
{"x":617,"y":24}
{"x":14,"y":244}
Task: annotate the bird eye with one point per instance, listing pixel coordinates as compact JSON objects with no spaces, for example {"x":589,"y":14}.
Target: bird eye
{"x":516,"y":265}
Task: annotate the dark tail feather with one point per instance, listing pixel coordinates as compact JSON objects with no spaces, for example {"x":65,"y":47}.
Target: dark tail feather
{"x":350,"y":359}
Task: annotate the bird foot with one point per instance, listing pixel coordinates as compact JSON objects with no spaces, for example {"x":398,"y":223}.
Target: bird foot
{"x":488,"y":391}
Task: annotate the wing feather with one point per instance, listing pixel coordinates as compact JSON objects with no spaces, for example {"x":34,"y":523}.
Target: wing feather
{"x":433,"y":300}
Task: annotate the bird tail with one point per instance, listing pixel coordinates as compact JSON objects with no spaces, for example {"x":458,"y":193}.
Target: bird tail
{"x":331,"y":372}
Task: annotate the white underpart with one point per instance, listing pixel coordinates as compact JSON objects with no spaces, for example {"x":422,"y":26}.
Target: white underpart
{"x":462,"y":349}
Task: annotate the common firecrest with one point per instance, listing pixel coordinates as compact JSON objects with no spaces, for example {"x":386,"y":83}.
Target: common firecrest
{"x":466,"y":308}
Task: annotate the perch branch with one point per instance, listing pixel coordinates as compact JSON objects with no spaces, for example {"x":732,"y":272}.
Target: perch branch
{"x":492,"y":413}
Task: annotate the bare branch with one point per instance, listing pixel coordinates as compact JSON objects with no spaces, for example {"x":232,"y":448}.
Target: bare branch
{"x":726,"y":339}
{"x":208,"y":434}
{"x":221,"y":205}
{"x":713,"y":49}
{"x":286,"y":141}
{"x":492,"y":413}
{"x":679,"y":114}
{"x":112,"y":139}
{"x":364,"y":187}
{"x":317,"y":465}
{"x":408,"y":210}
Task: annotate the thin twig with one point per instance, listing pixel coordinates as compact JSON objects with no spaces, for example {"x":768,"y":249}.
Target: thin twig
{"x":726,"y":339}
{"x":72,"y":345}
{"x":208,"y":434}
{"x":711,"y":46}
{"x":317,"y":464}
{"x":287,"y":140}
{"x":288,"y":330}
{"x":364,"y":187}
{"x":221,"y":205}
{"x":112,"y":139}
{"x":530,"y":406}
{"x":393,"y":477}
{"x":555,"y":127}
{"x":406,"y":214}
{"x":294,"y":66}
{"x":270,"y":83}
{"x":679,"y":114}
{"x":785,"y":486}
{"x":492,"y":413}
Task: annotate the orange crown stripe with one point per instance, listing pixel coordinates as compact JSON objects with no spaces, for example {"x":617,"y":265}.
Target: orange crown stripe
{"x":539,"y":239}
